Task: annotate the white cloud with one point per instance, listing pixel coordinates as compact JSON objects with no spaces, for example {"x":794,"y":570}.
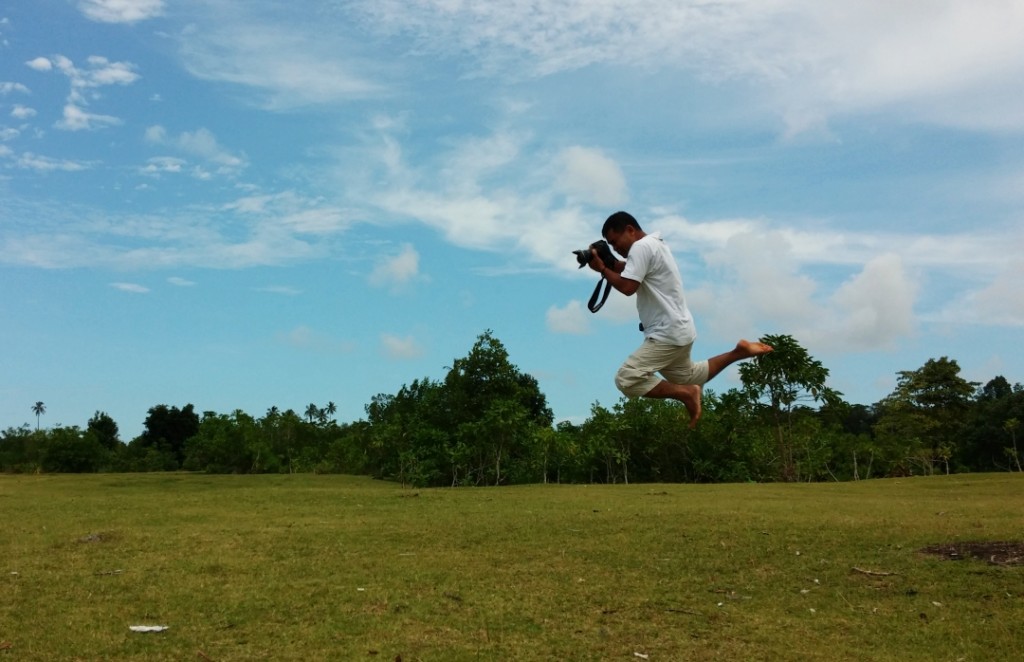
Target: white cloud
{"x":593,"y":177}
{"x":999,"y":302}
{"x":476,"y":158}
{"x":759,"y":287}
{"x":6,"y":87}
{"x":307,"y":339}
{"x":320,"y":221}
{"x":105,"y":72}
{"x":958,"y":62}
{"x":875,"y":308}
{"x":20,"y":112}
{"x":291,"y":67}
{"x":77,"y":119}
{"x":287,"y":290}
{"x":121,"y":11}
{"x":180,"y":282}
{"x":396,"y":271}
{"x":292,"y":213}
{"x":571,"y":319}
{"x":163,"y":164}
{"x":395,"y":347}
{"x":40,"y":64}
{"x":134,"y":288}
{"x":155,"y":134}
{"x":498,"y":201}
{"x":66,"y":236}
{"x":31,"y":161}
{"x":201,"y":143}
{"x":99,"y":72}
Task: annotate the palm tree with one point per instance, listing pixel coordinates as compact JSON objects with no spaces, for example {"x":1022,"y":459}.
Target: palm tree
{"x":38,"y":409}
{"x":332,"y":409}
{"x":312,"y":411}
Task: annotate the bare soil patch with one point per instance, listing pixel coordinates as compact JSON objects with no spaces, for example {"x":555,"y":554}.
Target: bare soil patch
{"x":996,"y":553}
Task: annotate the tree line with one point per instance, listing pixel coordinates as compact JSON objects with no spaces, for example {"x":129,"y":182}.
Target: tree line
{"x":488,"y":423}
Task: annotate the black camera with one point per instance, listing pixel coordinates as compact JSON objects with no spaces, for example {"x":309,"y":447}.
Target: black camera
{"x":604,"y":251}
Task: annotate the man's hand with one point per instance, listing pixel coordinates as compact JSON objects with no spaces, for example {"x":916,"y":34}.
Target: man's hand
{"x":596,"y":263}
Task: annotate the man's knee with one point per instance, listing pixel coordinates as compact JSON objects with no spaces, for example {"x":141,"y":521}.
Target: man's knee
{"x":632,"y":382}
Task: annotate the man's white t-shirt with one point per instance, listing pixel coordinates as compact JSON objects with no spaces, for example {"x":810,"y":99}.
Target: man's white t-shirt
{"x":659,"y":299}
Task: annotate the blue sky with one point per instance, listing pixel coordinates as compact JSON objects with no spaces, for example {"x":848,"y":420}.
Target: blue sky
{"x":250,"y":204}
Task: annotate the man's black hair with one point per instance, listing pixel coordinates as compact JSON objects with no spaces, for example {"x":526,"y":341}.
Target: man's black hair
{"x":618,"y":222}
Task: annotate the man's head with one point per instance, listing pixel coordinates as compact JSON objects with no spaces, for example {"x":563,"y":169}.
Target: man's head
{"x":621,"y":230}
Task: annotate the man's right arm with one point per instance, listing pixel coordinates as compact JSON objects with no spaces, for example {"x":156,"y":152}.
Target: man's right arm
{"x":612,"y":274}
{"x":615,"y":279}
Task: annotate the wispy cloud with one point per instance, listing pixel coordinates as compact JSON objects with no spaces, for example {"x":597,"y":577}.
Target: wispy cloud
{"x":134,"y":288}
{"x":592,"y":176}
{"x":272,"y":51}
{"x":98,"y":72}
{"x":307,"y":339}
{"x":7,"y":87}
{"x":395,"y":347}
{"x":957,"y":63}
{"x":77,"y":119}
{"x":570,"y":319}
{"x":770,"y":272}
{"x":200,"y":143}
{"x":396,"y":271}
{"x":121,"y":11}
{"x":20,"y":112}
{"x":163,"y":164}
{"x":66,"y":236}
{"x":180,"y":282}
{"x":31,"y":161}
{"x":280,"y":289}
{"x":39,"y":64}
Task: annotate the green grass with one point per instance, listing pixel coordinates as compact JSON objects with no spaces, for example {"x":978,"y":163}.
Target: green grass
{"x":340,"y":568}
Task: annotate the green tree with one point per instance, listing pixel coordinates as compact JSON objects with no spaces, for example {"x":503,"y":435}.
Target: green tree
{"x":73,"y":451}
{"x":409,"y":435}
{"x":21,"y":449}
{"x":312,"y":411}
{"x":984,"y":434}
{"x":928,"y":406}
{"x":479,"y":426}
{"x":494,"y":410}
{"x":167,"y":429}
{"x":782,"y":380}
{"x":38,"y":409}
{"x":1011,"y":426}
{"x":230,"y":444}
{"x":103,"y":427}
{"x":608,"y":461}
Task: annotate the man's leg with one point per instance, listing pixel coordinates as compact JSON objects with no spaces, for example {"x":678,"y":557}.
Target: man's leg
{"x":636,"y":374}
{"x":688,"y":394}
{"x":638,"y":377}
{"x":684,"y":378}
{"x":744,"y":349}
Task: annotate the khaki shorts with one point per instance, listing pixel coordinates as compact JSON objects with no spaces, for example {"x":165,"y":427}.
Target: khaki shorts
{"x":639,"y":374}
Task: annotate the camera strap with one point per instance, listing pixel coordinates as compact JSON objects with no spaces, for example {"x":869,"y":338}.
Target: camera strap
{"x":594,"y":305}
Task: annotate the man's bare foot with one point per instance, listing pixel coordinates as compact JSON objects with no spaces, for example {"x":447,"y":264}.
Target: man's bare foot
{"x":691,"y":399}
{"x":688,"y":394}
{"x":748,"y":349}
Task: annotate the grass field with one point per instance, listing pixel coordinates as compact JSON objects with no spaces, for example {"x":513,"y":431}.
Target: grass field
{"x":310,"y":567}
